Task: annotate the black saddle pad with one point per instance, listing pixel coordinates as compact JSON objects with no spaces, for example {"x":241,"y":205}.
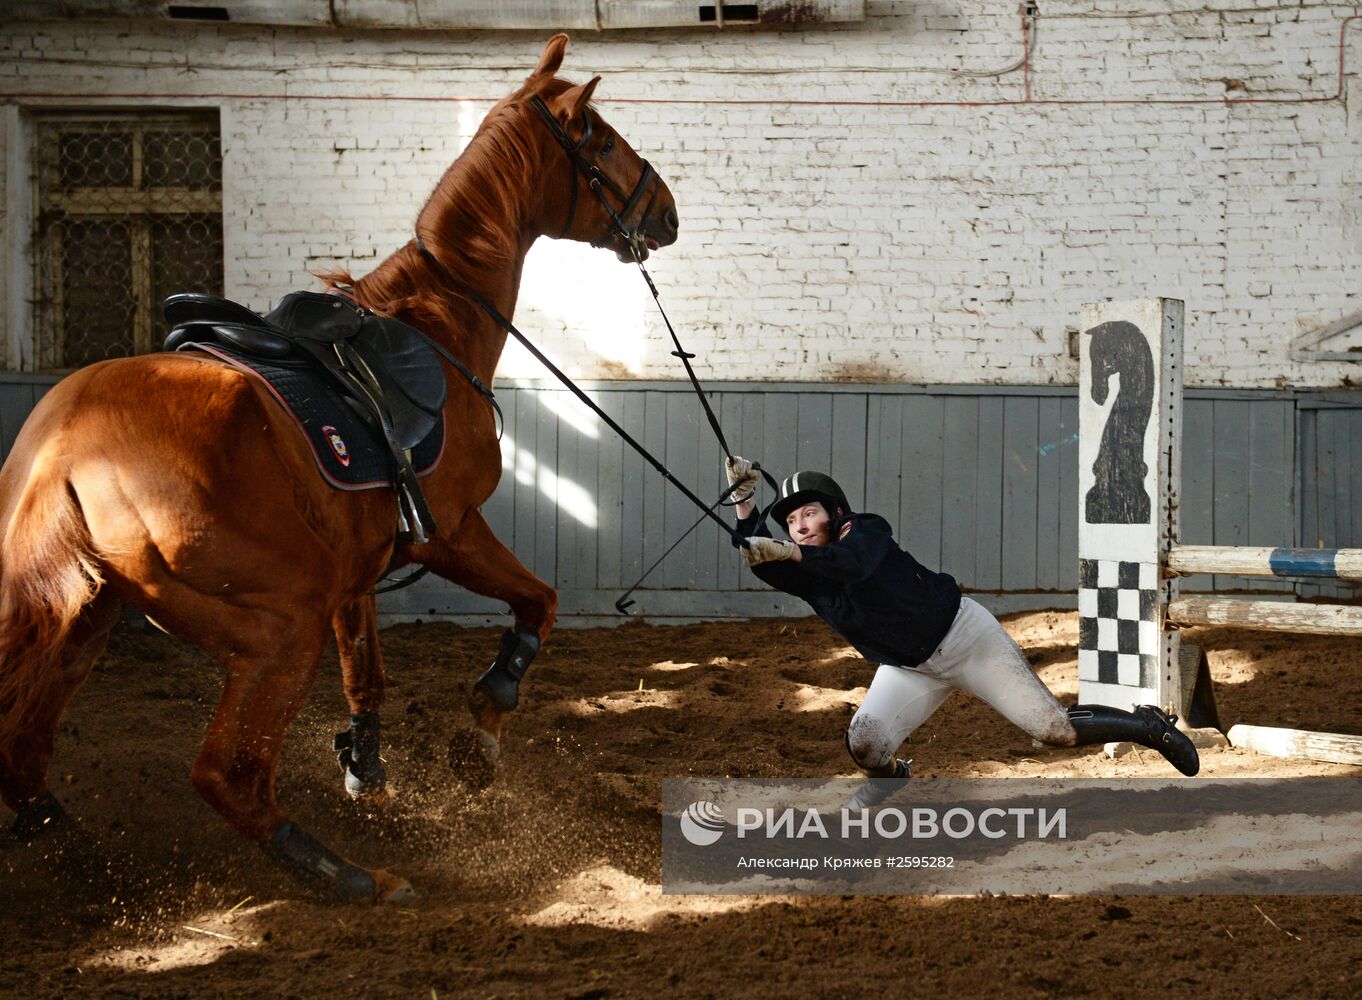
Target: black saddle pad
{"x":349,"y":454}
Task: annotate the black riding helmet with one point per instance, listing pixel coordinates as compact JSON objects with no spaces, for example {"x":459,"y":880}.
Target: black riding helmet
{"x":804,"y":487}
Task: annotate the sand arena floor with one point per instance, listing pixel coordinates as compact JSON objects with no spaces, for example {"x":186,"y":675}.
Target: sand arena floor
{"x":547,"y":883}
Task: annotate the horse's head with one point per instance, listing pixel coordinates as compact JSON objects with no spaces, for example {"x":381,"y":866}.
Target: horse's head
{"x":608,"y":195}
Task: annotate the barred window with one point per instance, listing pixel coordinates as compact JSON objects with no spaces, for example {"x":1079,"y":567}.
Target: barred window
{"x":129,"y":210}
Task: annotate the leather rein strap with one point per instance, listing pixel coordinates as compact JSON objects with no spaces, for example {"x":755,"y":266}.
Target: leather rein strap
{"x":497,"y":317}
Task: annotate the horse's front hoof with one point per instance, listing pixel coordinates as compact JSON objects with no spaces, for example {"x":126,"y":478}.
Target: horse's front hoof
{"x":473,"y":756}
{"x":372,"y":791}
{"x":391,"y":890}
{"x":40,"y":816}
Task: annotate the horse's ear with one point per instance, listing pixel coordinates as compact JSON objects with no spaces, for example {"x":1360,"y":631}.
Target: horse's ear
{"x":574,"y":100}
{"x":551,"y":59}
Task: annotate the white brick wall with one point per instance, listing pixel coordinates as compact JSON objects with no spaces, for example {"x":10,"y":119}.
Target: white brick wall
{"x":948,"y":240}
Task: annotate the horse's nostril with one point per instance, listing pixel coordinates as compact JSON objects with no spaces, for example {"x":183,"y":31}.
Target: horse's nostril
{"x":671,"y":220}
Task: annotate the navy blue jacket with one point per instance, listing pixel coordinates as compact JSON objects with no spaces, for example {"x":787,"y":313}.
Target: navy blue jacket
{"x":882,"y":600}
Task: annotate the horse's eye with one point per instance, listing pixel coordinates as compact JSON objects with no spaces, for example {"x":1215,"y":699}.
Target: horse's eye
{"x":609,"y":147}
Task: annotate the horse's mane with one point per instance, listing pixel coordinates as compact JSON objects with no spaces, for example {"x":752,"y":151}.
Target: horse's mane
{"x":472,"y":222}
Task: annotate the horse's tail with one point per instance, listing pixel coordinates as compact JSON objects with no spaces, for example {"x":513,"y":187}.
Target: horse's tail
{"x":49,"y":572}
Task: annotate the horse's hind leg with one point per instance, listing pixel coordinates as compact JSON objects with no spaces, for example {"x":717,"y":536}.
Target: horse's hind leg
{"x":268,"y":677}
{"x":23,"y":764}
{"x":356,"y":628}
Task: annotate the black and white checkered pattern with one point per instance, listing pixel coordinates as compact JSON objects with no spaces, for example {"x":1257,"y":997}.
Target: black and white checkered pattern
{"x":1118,"y":627}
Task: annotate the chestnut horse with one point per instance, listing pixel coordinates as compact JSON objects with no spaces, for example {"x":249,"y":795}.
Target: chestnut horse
{"x":174,"y":484}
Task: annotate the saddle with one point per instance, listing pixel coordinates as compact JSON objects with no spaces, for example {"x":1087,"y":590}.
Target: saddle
{"x":386,"y":371}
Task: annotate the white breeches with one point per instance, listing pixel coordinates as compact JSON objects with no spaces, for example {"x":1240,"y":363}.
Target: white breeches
{"x":977,"y":656}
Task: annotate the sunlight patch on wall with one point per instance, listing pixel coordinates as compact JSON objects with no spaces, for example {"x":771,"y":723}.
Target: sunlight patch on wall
{"x":571,"y":497}
{"x":568,"y":408}
{"x":580,"y":295}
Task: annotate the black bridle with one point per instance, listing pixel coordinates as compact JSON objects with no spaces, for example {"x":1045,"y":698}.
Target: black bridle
{"x":599,"y":182}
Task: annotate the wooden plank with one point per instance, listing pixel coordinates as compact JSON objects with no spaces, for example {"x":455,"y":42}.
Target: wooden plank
{"x":1068,"y":494}
{"x":585,"y":484}
{"x":17,"y":400}
{"x":636,"y":480}
{"x":524,"y":536}
{"x":1271,"y":472}
{"x":960,"y":483}
{"x":883,"y":461}
{"x":1271,"y":616}
{"x":1049,"y":481}
{"x":1344,"y":445}
{"x":610,"y":494}
{"x":780,"y":425}
{"x":566,"y":473}
{"x":708,"y":481}
{"x":1347,"y":472}
{"x":813,"y":449}
{"x":848,"y":462}
{"x":754,"y":447}
{"x":988,"y":524}
{"x":1020,"y":494}
{"x":1334,"y":748}
{"x":1325,"y":470}
{"x":1308,"y":471}
{"x":683,"y":428}
{"x":1351,"y":533}
{"x":655,"y":488}
{"x":1329,"y":564}
{"x":546,"y":487}
{"x":918,"y":461}
{"x":1197,"y":511}
{"x":727,"y":563}
{"x":1231,"y":501}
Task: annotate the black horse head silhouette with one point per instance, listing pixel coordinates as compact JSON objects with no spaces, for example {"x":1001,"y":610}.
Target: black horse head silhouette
{"x":1118,"y":495}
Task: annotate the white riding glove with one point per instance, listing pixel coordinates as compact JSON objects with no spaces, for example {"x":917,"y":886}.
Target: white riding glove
{"x":739,"y":471}
{"x":764,"y":550}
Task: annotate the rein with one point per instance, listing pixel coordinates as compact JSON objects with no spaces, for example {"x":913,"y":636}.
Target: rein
{"x":496,"y":315}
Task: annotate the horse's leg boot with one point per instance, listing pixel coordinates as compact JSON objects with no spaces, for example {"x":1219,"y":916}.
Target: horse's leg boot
{"x":357,"y":751}
{"x":312,"y":862}
{"x":501,"y":681}
{"x":1147,"y":726}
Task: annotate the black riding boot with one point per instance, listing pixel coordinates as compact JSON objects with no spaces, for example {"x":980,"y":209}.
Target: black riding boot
{"x":1147,"y":726}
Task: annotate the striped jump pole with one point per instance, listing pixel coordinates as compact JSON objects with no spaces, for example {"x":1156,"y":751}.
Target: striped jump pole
{"x":1331,"y":564}
{"x":1130,"y":558}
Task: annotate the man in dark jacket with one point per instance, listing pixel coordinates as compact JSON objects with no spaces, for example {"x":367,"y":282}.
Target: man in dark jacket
{"x":925,"y":637}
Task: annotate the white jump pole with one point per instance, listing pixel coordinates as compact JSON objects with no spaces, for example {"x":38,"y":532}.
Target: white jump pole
{"x":1129,"y":471}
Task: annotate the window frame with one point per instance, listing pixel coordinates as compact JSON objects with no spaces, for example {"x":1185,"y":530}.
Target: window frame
{"x":139,"y":206}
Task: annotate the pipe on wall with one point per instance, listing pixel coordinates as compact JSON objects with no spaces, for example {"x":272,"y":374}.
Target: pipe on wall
{"x":591,"y":15}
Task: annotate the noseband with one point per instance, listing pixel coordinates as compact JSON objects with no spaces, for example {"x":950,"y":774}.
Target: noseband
{"x":599,"y":182}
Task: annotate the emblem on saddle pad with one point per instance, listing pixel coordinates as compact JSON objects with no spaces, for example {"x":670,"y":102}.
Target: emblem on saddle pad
{"x":337,"y":444}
